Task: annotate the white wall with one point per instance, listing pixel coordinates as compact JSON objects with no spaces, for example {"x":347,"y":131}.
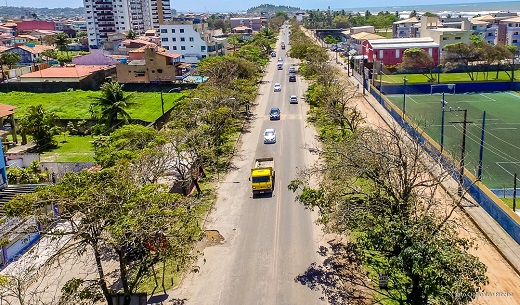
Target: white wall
{"x":190,"y":47}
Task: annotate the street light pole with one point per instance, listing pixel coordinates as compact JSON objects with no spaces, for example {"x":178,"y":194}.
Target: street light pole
{"x":405,"y":80}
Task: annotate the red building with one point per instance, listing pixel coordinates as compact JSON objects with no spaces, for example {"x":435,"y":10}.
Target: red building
{"x":30,"y":25}
{"x":390,"y":51}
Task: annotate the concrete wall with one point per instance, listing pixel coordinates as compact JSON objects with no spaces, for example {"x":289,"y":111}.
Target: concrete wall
{"x":21,"y":160}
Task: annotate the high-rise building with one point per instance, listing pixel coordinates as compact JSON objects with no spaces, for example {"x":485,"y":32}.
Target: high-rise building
{"x":118,"y":16}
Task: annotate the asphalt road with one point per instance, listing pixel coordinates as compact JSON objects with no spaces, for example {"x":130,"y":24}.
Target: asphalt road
{"x":268,"y":240}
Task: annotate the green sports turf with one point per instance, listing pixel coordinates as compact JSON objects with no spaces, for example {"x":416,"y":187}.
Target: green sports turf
{"x":502,"y":129}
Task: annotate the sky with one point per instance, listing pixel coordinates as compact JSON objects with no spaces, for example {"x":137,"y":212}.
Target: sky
{"x":236,"y":5}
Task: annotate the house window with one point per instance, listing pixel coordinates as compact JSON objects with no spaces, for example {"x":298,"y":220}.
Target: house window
{"x":139,"y":73}
{"x":444,"y":38}
{"x":380,"y":54}
{"x":153,"y":71}
{"x":173,"y":30}
{"x":182,"y":39}
{"x":164,"y":39}
{"x":514,"y":41}
{"x":164,"y":31}
{"x":166,"y":47}
{"x":203,"y":48}
{"x":182,"y":30}
{"x":397,"y":53}
{"x":458,"y":38}
{"x":174,"y":39}
{"x":191,"y":38}
{"x":174,"y":48}
{"x":159,"y":70}
{"x":183,"y":48}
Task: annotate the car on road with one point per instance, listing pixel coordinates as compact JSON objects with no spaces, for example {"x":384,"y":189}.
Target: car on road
{"x":277,"y":87}
{"x":293,"y":99}
{"x":269,"y":136}
{"x":292,"y":69}
{"x":273,"y":54}
{"x":292,"y":78}
{"x":274,"y":114}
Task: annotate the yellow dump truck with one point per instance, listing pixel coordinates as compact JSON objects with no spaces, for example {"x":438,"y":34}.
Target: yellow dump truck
{"x":262,"y":176}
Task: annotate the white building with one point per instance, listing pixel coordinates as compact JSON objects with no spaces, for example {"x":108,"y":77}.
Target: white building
{"x":117,"y":16}
{"x":191,"y":38}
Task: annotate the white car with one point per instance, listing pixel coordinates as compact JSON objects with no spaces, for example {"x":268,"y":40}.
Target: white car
{"x":280,"y":60}
{"x":294,"y":99}
{"x":292,"y":69}
{"x":269,"y":136}
{"x":277,"y":87}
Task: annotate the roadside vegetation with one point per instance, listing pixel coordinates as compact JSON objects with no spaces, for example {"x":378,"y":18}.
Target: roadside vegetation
{"x":397,"y":241}
{"x":123,"y":208}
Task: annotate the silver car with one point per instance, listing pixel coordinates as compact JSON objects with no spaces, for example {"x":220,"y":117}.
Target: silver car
{"x":269,"y":136}
{"x":277,"y":87}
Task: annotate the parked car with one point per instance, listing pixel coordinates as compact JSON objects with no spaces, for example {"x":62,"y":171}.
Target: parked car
{"x":277,"y":87}
{"x":292,"y":78}
{"x":269,"y":136}
{"x":274,"y":114}
{"x":293,"y":99}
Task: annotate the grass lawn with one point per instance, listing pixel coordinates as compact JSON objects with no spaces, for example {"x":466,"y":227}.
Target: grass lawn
{"x":71,"y":149}
{"x":75,"y":104}
{"x":509,"y":202}
{"x":448,"y":77}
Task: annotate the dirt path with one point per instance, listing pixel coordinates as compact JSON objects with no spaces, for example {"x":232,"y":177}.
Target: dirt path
{"x":504,"y":282}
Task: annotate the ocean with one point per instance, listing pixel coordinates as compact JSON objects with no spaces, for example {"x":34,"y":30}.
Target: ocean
{"x":463,"y":9}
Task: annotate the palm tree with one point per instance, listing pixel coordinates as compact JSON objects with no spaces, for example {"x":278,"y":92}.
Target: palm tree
{"x":113,"y":102}
{"x":61,"y":41}
{"x":10,"y":58}
{"x":131,"y":34}
{"x":50,"y":54}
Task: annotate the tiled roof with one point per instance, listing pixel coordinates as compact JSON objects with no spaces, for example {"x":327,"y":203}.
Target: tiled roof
{"x":168,"y":54}
{"x":77,"y":71}
{"x":409,"y":20}
{"x":365,"y":36}
{"x":37,"y":49}
{"x":3,"y":49}
{"x":6,"y":110}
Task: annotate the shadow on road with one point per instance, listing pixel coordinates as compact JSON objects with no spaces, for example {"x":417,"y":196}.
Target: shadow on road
{"x":341,"y":278}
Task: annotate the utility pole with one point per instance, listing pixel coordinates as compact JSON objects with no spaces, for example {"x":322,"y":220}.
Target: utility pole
{"x":463,"y":148}
{"x":405,"y":81}
{"x":514,"y":194}
{"x":481,"y":152}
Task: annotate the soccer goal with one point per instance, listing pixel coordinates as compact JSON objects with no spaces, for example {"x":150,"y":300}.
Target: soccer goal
{"x":442,"y":88}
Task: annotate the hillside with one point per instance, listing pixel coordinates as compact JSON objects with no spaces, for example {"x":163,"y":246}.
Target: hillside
{"x":272,"y":9}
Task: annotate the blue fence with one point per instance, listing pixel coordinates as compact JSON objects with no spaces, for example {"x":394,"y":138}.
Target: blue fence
{"x":509,"y":221}
{"x":460,"y":87}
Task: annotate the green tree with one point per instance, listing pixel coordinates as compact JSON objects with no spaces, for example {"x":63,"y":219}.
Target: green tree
{"x":61,"y":41}
{"x":30,"y":175}
{"x":10,"y":58}
{"x":64,"y":59}
{"x":428,"y":14}
{"x":50,"y":54}
{"x":125,"y":143}
{"x":375,"y":190}
{"x":41,"y":125}
{"x":113,"y":103}
{"x":413,"y":14}
{"x":282,"y":14}
{"x":131,"y":34}
{"x":234,"y":39}
{"x":110,"y":215}
{"x":460,"y":55}
{"x":420,"y":60}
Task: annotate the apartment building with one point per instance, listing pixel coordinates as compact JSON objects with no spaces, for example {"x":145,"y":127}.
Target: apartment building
{"x":255,"y":23}
{"x":192,"y":38}
{"x":104,"y":17}
{"x":444,"y":33}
